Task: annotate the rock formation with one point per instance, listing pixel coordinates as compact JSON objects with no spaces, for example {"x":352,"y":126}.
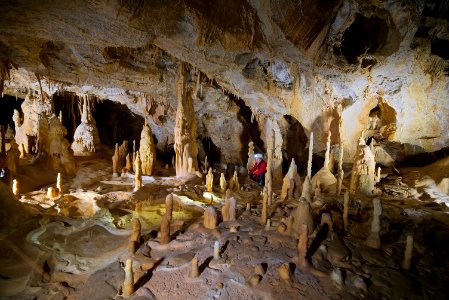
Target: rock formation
{"x":128,"y":284}
{"x":228,"y":209}
{"x":210,"y":218}
{"x":292,"y":182}
{"x":59,"y":184}
{"x":363,"y":177}
{"x":373,"y":239}
{"x":138,"y":172}
{"x":186,"y":149}
{"x":194,"y":270}
{"x":15,"y":187}
{"x":86,"y":140}
{"x":222,"y":183}
{"x":13,"y":157}
{"x":340,"y":172}
{"x":302,"y":214}
{"x":324,"y":176}
{"x":147,"y":150}
{"x":209,"y":180}
{"x":115,"y":162}
{"x":302,"y":247}
{"x":251,"y":160}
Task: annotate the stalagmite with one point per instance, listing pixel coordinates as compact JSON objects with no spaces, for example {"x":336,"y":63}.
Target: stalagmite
{"x":210,"y":217}
{"x":216,"y":250}
{"x":234,"y":182}
{"x":52,"y":192}
{"x":346,"y":210}
{"x":165,"y":229}
{"x":268,"y":225}
{"x":56,"y":146}
{"x":373,"y":239}
{"x":269,"y":173}
{"x":128,"y":165}
{"x":290,"y":186}
{"x":340,"y":172}
{"x":166,"y":220}
{"x":128,"y":285}
{"x":378,"y":174}
{"x":228,"y":209}
{"x":363,"y":177}
{"x":15,"y":187}
{"x":327,"y":180}
{"x":209,"y":180}
{"x":309,"y":161}
{"x":302,"y":247}
{"x":59,"y":184}
{"x":169,"y":206}
{"x":194,"y":271}
{"x":122,"y":151}
{"x":408,"y":253}
{"x":285,"y":187}
{"x":302,"y":214}
{"x":138,"y":173}
{"x":185,"y":129}
{"x":147,"y":150}
{"x":263,"y":215}
{"x":134,"y":240}
{"x":134,"y":156}
{"x":115,"y":162}
{"x":306,"y":193}
{"x":251,"y":159}
{"x":222,"y":182}
{"x":86,"y":140}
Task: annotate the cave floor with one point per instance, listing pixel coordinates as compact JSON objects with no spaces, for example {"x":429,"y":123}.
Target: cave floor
{"x":75,"y":245}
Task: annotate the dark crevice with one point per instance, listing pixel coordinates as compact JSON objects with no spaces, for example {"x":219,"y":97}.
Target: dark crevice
{"x":369,"y":35}
{"x":251,"y":131}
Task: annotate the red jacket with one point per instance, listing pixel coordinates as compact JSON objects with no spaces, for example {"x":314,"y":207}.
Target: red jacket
{"x":259,"y":169}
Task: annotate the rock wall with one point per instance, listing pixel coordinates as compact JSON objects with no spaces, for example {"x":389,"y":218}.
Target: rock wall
{"x":338,"y":62}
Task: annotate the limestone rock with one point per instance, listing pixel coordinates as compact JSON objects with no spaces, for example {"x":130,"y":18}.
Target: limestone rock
{"x":147,"y":150}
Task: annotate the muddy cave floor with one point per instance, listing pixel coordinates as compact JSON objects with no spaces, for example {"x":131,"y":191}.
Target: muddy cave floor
{"x":75,"y":245}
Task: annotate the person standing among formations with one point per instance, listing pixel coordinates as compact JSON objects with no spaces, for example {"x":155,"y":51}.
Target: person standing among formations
{"x":257,"y":172}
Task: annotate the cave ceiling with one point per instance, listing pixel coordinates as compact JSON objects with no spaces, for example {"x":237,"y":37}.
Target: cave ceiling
{"x":312,"y":60}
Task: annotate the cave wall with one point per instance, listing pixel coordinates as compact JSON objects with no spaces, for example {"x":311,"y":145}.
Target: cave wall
{"x":249,"y":50}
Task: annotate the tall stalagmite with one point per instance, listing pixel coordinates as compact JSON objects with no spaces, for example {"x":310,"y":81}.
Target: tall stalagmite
{"x":86,"y":141}
{"x":186,"y":149}
{"x":363,"y":177}
{"x":147,"y":150}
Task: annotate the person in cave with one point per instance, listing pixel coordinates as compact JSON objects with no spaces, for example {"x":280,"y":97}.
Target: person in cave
{"x":257,"y":172}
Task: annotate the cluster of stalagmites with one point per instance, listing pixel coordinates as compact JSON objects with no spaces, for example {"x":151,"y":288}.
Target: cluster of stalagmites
{"x":86,"y":141}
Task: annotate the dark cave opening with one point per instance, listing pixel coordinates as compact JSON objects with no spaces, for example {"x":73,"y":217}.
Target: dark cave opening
{"x":251,"y":130}
{"x":212,"y":151}
{"x":295,"y":141}
{"x":7,"y":106}
{"x":440,"y":47}
{"x":69,"y":105}
{"x":116,"y":123}
{"x":369,"y":35}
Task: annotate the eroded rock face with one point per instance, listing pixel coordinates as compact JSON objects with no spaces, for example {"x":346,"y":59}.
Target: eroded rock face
{"x":337,"y":62}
